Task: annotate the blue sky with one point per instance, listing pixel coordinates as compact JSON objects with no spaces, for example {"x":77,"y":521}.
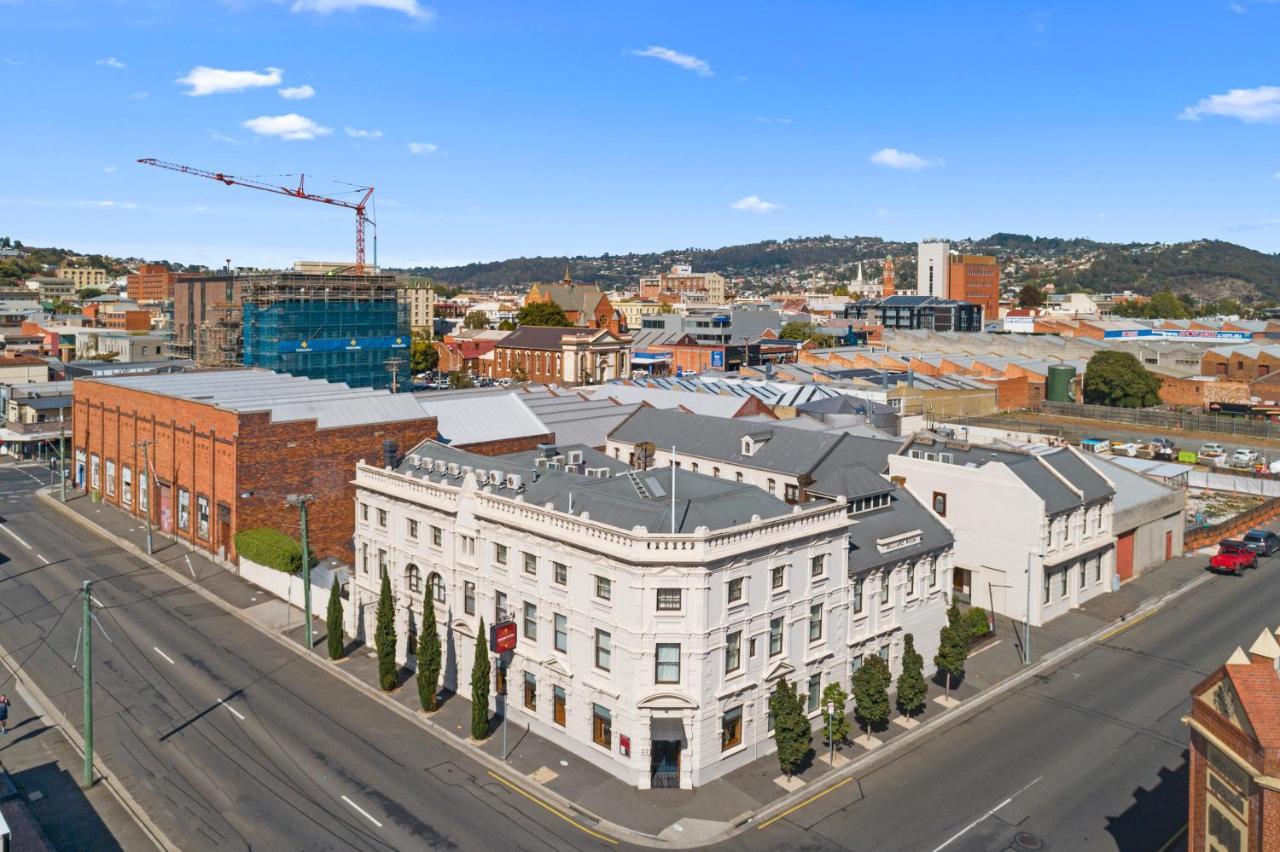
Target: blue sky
{"x":495,"y":129}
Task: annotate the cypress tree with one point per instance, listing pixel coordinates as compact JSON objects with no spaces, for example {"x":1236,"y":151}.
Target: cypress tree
{"x":480,"y":686}
{"x":871,"y":691}
{"x":428,"y":655}
{"x":835,"y":724}
{"x":333,"y":622}
{"x":791,"y":729}
{"x":384,"y":637}
{"x":953,"y":647}
{"x":911,"y":685}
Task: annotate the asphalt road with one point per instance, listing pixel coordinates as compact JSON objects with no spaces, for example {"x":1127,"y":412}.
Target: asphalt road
{"x":227,"y":740}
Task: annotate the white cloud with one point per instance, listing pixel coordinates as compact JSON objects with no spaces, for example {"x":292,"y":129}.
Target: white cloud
{"x":755,"y":204}
{"x":682,"y":60}
{"x":123,"y":205}
{"x":222,"y":137}
{"x":357,"y":133}
{"x":108,"y":169}
{"x":291,"y":127}
{"x":423,"y":148}
{"x":297,"y":93}
{"x":204,"y":80}
{"x":1261,"y":104}
{"x":139,"y":95}
{"x":111,"y":62}
{"x":412,"y":8}
{"x":895,"y":159}
{"x":767,"y":120}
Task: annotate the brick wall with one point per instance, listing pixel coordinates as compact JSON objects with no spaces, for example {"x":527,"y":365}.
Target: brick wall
{"x":508,"y":445}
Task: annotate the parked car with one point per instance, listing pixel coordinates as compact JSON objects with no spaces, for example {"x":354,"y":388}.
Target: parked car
{"x":1243,"y":457}
{"x":1212,"y":449}
{"x":1233,"y":556}
{"x":1163,"y":449}
{"x":1262,"y":542}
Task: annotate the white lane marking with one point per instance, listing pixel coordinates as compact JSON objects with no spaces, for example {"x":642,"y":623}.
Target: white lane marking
{"x":984,"y":650}
{"x":232,"y":709}
{"x":953,"y":838}
{"x":163,"y":654}
{"x":16,"y":537}
{"x":365,"y":813}
{"x":42,"y":559}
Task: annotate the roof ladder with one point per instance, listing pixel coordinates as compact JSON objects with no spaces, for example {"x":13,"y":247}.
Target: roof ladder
{"x":634,"y":476}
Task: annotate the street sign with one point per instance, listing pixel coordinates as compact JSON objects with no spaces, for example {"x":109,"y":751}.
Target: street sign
{"x":502,"y":637}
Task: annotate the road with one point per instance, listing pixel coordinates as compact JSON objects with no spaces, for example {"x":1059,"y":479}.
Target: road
{"x":226,"y":739}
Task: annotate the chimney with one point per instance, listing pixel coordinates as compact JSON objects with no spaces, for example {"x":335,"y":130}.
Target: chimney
{"x":390,"y":453}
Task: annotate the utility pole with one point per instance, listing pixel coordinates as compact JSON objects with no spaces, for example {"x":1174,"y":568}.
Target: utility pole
{"x":392,"y":366}
{"x":1026,"y":630}
{"x":62,"y":459}
{"x":87,"y":663}
{"x":301,"y":501}
{"x":146,"y":471}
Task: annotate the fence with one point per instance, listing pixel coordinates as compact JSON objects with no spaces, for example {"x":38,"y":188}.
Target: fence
{"x":1231,"y":527}
{"x":1158,"y":418}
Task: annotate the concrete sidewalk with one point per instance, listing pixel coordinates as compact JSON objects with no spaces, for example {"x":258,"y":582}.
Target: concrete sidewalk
{"x":680,"y":817}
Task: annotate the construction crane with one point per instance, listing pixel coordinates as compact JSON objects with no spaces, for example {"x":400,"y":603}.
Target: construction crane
{"x":359,"y":206}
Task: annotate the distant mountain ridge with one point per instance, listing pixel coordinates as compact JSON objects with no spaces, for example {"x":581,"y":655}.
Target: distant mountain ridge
{"x":1205,"y":269}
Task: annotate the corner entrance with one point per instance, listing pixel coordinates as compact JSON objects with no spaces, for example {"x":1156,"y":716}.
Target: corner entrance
{"x":666,"y":738}
{"x":962,"y":584}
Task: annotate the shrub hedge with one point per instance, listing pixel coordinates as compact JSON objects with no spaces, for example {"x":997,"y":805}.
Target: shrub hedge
{"x":271,"y":548}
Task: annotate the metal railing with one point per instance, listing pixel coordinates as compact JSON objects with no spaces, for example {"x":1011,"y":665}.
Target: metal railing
{"x":1159,"y":418}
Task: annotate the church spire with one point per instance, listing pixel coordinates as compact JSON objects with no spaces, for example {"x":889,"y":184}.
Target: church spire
{"x":568,"y":279}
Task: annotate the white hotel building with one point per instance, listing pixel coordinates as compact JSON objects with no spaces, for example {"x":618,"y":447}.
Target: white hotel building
{"x":649,"y":651}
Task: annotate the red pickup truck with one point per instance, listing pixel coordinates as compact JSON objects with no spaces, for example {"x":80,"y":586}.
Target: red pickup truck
{"x":1233,"y":556}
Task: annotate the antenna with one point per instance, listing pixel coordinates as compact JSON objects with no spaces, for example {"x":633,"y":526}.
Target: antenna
{"x":673,"y":489}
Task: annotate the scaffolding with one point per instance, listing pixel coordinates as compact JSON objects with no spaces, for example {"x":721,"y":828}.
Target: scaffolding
{"x":219,"y":339}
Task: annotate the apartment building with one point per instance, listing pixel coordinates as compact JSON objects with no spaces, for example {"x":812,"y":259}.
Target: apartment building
{"x":83,"y":276}
{"x":975,"y":278}
{"x":1032,"y":528}
{"x":656,"y":610}
{"x":704,"y":288}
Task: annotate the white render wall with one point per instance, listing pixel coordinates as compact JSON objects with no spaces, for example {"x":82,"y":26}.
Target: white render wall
{"x":637,"y":564}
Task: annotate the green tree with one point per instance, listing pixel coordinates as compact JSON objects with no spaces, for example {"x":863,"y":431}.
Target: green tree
{"x":1165,"y":305}
{"x":542,"y":313}
{"x":840,"y":291}
{"x":1119,"y":379}
{"x":792,"y":732}
{"x":953,"y":647}
{"x":460,"y":381}
{"x":835,"y":726}
{"x":796,"y":330}
{"x":506,"y":325}
{"x":429,"y":656}
{"x":475,"y":319}
{"x":84,"y":294}
{"x":333,"y":622}
{"x":423,"y":356}
{"x":384,"y":637}
{"x":871,"y":691}
{"x":1030,"y":296}
{"x":480,"y":686}
{"x":911,"y":686}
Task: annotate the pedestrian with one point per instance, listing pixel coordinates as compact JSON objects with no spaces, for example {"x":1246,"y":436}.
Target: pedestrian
{"x":4,"y":715}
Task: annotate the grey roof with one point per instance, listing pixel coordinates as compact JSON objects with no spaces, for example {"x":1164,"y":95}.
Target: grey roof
{"x":560,"y":454}
{"x":545,"y":336}
{"x":475,"y":419}
{"x":699,"y":402}
{"x":852,"y":481}
{"x":284,"y":397}
{"x":570,"y":415}
{"x":845,"y":404}
{"x":45,"y":403}
{"x":623,"y":501}
{"x":903,"y":515}
{"x":1132,"y":488}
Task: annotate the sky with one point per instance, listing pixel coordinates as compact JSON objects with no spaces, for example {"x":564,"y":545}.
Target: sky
{"x":503,"y":129}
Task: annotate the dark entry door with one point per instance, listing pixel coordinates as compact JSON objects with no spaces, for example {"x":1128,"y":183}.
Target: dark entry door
{"x":664,"y":765}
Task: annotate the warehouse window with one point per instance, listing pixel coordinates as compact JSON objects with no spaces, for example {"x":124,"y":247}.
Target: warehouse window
{"x":111,"y":478}
{"x":202,"y":516}
{"x":184,"y":508}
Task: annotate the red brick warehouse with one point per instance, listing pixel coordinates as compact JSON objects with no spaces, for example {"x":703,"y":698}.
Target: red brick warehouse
{"x":224,"y":448}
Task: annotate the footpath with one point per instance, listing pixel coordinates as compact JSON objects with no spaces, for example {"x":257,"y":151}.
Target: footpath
{"x":596,"y":801}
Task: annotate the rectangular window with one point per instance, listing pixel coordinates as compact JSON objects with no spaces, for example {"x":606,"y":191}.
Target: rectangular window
{"x":95,"y":471}
{"x":530,"y":691}
{"x":562,"y":633}
{"x":604,"y":650}
{"x":778,"y":577}
{"x":184,"y":509}
{"x":560,"y":573}
{"x":669,"y":600}
{"x":500,"y":554}
{"x":1062,"y":581}
{"x":382,"y":518}
{"x":499,"y":606}
{"x":413,"y":528}
{"x":733,"y":652}
{"x":531,"y":564}
{"x":911,"y":580}
{"x":601,"y":726}
{"x":855,"y":663}
{"x":1046,"y":586}
{"x":530,"y":621}
{"x":731,"y":729}
{"x":469,"y":597}
{"x":604,"y":588}
{"x":126,"y":485}
{"x":1084,"y":574}
{"x":933,"y":574}
{"x":202,"y":517}
{"x":775,"y":636}
{"x":382,"y":564}
{"x":885,"y":591}
{"x":815,"y":693}
{"x":666,"y":666}
{"x":111,"y":478}
{"x":818,"y":565}
{"x":557,"y":705}
{"x":735,"y":590}
{"x":858,"y":594}
{"x":815,"y":622}
{"x":364,"y":511}
{"x":364,"y":558}
{"x":1097,"y":569}
{"x":142,"y":491}
{"x":437,"y":536}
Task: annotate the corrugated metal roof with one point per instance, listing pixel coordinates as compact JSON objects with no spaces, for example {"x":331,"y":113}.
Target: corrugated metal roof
{"x":480,"y":418}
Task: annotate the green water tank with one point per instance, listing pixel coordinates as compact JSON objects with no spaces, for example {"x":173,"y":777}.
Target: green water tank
{"x":1058,"y":387}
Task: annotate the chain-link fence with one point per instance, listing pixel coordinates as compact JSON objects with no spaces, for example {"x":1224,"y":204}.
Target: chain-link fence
{"x":1187,"y":421}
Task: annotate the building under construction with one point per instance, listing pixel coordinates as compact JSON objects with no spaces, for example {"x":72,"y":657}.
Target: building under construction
{"x":338,"y":327}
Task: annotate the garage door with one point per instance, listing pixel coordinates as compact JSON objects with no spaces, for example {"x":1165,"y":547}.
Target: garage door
{"x":1124,"y":556}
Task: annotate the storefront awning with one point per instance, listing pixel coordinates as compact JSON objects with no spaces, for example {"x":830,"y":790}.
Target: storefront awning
{"x":666,"y":728}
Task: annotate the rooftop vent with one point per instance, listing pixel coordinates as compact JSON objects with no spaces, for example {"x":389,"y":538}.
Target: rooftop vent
{"x":453,"y":469}
{"x":575,"y":457}
{"x":440,"y":465}
{"x":513,"y":481}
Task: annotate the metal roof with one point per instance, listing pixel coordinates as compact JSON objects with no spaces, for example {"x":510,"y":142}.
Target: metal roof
{"x":476,"y":419}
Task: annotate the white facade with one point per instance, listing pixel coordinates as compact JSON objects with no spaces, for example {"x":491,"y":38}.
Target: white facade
{"x":933,"y":268}
{"x":698,"y":627}
{"x":1009,"y":544}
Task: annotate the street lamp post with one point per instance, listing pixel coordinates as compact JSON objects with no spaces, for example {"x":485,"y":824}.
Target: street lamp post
{"x":831,"y":740}
{"x":1026,"y":629}
{"x":301,"y":501}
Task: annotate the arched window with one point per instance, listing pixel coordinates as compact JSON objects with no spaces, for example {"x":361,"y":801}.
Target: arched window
{"x":413,"y":577}
{"x":436,"y":584}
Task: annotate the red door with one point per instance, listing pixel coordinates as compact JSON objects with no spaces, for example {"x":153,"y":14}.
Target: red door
{"x":1168,"y":545}
{"x":1124,"y":556}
